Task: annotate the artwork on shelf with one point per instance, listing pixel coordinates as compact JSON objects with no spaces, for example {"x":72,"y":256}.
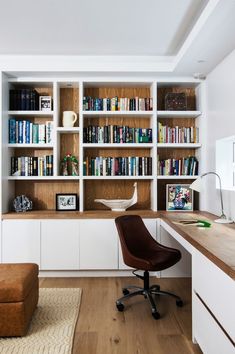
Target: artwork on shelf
{"x":66,"y":202}
{"x":179,"y":197}
{"x":45,"y":103}
{"x":120,"y":204}
{"x":22,"y":204}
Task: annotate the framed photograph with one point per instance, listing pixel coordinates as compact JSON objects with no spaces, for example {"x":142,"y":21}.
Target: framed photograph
{"x":66,"y":202}
{"x":45,"y":103}
{"x":179,"y":197}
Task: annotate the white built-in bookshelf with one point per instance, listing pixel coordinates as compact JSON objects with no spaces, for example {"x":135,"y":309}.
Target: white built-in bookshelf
{"x":69,"y":96}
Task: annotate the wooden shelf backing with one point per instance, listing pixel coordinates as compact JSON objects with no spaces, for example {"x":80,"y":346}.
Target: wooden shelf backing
{"x":114,"y":152}
{"x":161,"y":194}
{"x":176,"y":153}
{"x":117,"y":189}
{"x":69,"y":101}
{"x":189,"y":91}
{"x":131,"y":122}
{"x":43,"y":193}
{"x":129,"y":92}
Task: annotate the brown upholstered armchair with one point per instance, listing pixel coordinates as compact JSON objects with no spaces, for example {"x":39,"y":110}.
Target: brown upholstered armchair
{"x":142,"y":252}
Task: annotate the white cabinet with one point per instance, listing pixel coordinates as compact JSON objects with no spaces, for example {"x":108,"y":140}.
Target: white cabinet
{"x":98,"y":244}
{"x":216,"y":289}
{"x":21,"y":241}
{"x":59,"y":244}
{"x":207,"y":332}
{"x":151,"y":225}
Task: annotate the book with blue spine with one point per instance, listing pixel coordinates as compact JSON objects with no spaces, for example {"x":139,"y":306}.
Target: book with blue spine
{"x":20,"y":132}
{"x":12,"y":131}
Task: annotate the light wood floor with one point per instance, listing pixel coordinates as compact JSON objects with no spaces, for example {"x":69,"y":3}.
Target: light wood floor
{"x":101,"y":329}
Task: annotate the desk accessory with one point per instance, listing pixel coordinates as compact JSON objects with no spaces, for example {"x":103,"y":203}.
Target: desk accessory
{"x":197,"y":186}
{"x":120,"y":204}
{"x":198,"y":223}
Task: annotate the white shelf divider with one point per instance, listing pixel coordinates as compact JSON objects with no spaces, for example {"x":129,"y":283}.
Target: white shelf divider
{"x":179,"y":145}
{"x":118,"y":145}
{"x":31,"y":113}
{"x":33,"y":146}
{"x":68,"y":130}
{"x":22,"y":178}
{"x":89,"y":114}
{"x":176,"y":177}
{"x":178,"y":114}
{"x":118,"y":177}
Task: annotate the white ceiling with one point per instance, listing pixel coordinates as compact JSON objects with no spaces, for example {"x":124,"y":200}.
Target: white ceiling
{"x":182,"y":37}
{"x":96,"y":27}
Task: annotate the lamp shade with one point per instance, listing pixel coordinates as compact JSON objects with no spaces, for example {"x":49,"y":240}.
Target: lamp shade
{"x":196,"y":185}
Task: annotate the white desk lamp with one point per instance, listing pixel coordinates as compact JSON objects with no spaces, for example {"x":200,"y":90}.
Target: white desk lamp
{"x":197,"y":186}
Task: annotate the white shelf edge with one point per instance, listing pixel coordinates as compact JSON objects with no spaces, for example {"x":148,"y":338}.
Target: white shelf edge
{"x":31,"y":113}
{"x":118,"y":145}
{"x":68,"y":130}
{"x":179,"y":145}
{"x":118,"y":113}
{"x":37,"y":146}
{"x":180,"y":114}
{"x":177,"y":177}
{"x":21,"y":178}
{"x":117,"y":177}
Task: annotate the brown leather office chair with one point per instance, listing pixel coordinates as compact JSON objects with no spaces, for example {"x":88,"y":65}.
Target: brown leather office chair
{"x":142,"y":252}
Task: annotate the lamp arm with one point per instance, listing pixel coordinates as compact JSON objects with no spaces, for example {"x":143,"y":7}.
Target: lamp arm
{"x":221,"y":197}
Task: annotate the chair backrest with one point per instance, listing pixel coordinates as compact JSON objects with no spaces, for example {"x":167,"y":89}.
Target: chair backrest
{"x":134,"y":237}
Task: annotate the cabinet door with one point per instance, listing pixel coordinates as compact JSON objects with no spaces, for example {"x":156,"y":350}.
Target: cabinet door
{"x":59,"y":244}
{"x":151,"y":225}
{"x":98,"y":244}
{"x":21,"y":241}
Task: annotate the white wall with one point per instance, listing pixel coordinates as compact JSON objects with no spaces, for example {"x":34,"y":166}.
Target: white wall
{"x":220,"y":90}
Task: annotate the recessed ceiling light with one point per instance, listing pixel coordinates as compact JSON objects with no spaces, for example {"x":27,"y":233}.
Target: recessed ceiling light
{"x":69,"y":85}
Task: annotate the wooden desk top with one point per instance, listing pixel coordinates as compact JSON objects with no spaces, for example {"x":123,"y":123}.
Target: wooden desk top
{"x":217,"y":242}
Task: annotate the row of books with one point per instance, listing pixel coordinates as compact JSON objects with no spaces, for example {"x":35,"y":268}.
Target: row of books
{"x":26,"y":132}
{"x":117,"y":166}
{"x":24,"y":100}
{"x":187,"y":166}
{"x":177,"y":134}
{"x":117,"y":104}
{"x":116,"y":134}
{"x":32,"y":166}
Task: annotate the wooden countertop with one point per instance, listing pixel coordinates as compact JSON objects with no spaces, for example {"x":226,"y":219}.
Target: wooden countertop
{"x":94,"y":214}
{"x":217,"y":243}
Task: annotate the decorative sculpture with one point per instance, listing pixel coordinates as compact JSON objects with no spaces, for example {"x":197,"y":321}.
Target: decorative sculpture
{"x":120,"y":204}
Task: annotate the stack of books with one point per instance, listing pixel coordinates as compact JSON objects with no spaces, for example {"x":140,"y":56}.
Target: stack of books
{"x":32,"y":166}
{"x":117,"y":104}
{"x":26,"y":132}
{"x":116,"y":134}
{"x":24,"y":100}
{"x":117,"y":166}
{"x":187,"y":166}
{"x":177,"y":134}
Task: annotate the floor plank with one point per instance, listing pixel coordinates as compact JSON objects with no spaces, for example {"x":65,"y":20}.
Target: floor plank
{"x":101,"y":329}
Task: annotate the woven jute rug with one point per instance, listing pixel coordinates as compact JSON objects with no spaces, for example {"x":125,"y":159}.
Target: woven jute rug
{"x":52,"y":327}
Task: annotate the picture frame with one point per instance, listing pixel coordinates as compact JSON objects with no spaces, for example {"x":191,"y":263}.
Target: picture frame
{"x":66,"y":202}
{"x":179,"y":197}
{"x":45,"y":103}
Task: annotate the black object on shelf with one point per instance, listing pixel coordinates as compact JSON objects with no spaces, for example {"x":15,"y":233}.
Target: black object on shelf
{"x":24,"y":100}
{"x":175,"y":101}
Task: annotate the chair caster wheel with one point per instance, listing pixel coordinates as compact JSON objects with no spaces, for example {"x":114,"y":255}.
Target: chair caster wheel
{"x":120,"y":306}
{"x":125,"y":291}
{"x":156,"y":315}
{"x":179,"y":303}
